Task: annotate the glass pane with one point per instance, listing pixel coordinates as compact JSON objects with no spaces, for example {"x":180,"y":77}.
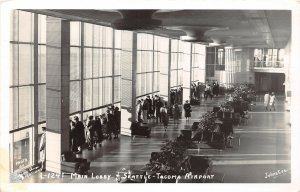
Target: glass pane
{"x":138,"y":84}
{"x":101,"y":60}
{"x":75,"y":33}
{"x":107,"y":62}
{"x":87,"y":94}
{"x":96,"y":58}
{"x":149,"y":61}
{"x":88,"y":63}
{"x":155,"y":82}
{"x":149,"y":83}
{"x":95,"y":92}
{"x":143,"y":61}
{"x":127,"y":39}
{"x":107,"y":93}
{"x":42,"y":28}
{"x":14,"y":102}
{"x":139,"y":62}
{"x":14,"y":25}
{"x":180,"y":80}
{"x":174,"y":61}
{"x":101,"y":94}
{"x":42,"y":64}
{"x":75,"y":90}
{"x":96,"y":35}
{"x":25,"y":64}
{"x":118,"y":39}
{"x":117,"y":89}
{"x":22,"y":148}
{"x":88,"y":34}
{"x":14,"y":64}
{"x":174,"y":45}
{"x":42,"y":103}
{"x":74,"y":63}
{"x":117,"y":62}
{"x":25,"y":106}
{"x":107,"y":37}
{"x":25,"y":26}
{"x":143,"y":84}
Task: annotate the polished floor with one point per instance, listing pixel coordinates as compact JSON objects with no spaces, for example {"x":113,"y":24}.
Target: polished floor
{"x":262,"y":157}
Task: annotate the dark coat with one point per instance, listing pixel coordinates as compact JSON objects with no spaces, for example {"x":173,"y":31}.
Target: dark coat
{"x":78,"y":133}
{"x":187,"y":109}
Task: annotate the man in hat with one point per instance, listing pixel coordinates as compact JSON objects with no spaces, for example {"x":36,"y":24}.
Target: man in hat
{"x":43,"y":149}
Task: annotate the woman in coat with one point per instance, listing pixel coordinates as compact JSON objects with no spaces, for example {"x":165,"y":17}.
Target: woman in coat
{"x":187,"y":110}
{"x":176,"y":113}
{"x":266,"y":100}
{"x":164,"y":116}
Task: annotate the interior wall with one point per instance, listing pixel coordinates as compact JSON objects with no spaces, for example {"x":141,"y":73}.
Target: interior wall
{"x":238,"y":64}
{"x":272,"y":82}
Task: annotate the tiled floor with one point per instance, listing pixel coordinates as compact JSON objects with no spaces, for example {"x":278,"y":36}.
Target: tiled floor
{"x":264,"y":149}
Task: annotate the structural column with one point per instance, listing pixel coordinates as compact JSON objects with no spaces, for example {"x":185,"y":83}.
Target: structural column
{"x":187,"y":77}
{"x":57,"y":91}
{"x":128,"y":72}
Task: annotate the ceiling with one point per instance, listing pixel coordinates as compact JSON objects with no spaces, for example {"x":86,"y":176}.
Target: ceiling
{"x":238,"y":28}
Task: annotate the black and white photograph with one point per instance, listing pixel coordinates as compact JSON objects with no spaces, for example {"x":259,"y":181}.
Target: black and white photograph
{"x":147,"y":95}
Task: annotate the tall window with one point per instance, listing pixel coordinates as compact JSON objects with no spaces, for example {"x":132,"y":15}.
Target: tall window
{"x":273,"y":58}
{"x":176,"y":63}
{"x":145,"y":64}
{"x":198,"y":63}
{"x":24,"y":82}
{"x":161,"y":64}
{"x":95,"y":68}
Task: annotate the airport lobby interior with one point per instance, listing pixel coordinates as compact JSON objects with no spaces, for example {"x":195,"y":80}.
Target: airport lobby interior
{"x":150,"y":96}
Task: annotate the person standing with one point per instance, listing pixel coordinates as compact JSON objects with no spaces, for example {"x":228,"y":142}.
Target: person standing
{"x":217,"y":88}
{"x":139,"y":111}
{"x":187,"y":110}
{"x":164,"y":116}
{"x":158,"y":105}
{"x":98,"y":130}
{"x":149,"y":109}
{"x":176,"y":113}
{"x":110,"y":124}
{"x":90,"y":133}
{"x":272,"y":101}
{"x":117,"y":116}
{"x":79,"y":136}
{"x":72,"y":137}
{"x":145,"y":106}
{"x":266,"y":100}
{"x":43,"y":149}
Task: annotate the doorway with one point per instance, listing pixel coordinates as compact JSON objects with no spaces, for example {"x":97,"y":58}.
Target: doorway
{"x":273,"y":82}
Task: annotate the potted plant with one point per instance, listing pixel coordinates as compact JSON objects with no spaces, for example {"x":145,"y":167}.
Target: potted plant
{"x":169,"y":160}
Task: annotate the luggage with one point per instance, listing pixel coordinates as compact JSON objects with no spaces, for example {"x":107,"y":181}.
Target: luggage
{"x":195,"y":102}
{"x":138,"y":129}
{"x":233,"y":141}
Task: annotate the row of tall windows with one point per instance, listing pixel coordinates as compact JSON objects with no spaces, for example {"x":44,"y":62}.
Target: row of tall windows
{"x":27,"y":86}
{"x":97,"y":55}
{"x":269,"y":58}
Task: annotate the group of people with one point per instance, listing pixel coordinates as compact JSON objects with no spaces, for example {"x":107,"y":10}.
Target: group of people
{"x":211,"y":90}
{"x":269,"y":101}
{"x":155,"y":108}
{"x":176,"y":95}
{"x":94,"y":129}
{"x":152,"y":108}
{"x":208,"y":89}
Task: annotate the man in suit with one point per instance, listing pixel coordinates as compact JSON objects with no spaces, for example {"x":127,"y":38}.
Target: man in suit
{"x":43,"y":149}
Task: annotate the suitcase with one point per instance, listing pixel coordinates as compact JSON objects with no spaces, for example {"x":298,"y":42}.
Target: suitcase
{"x":140,"y":130}
{"x":233,"y":141}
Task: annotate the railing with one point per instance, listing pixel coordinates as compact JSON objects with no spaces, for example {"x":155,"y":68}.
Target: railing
{"x":265,"y":64}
